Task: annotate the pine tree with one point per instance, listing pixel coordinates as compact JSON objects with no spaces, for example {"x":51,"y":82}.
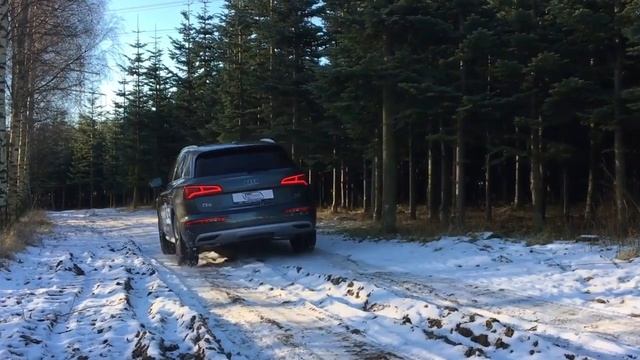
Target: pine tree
{"x":136,"y":121}
{"x":183,"y":53}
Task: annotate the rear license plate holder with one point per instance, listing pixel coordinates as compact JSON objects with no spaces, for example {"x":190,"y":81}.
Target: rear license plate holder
{"x":251,"y":197}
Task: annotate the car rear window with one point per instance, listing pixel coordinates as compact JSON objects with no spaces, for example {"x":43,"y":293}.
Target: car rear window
{"x":242,"y":160}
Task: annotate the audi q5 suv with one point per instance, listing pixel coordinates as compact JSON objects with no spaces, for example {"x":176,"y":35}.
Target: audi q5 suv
{"x":229,"y":193}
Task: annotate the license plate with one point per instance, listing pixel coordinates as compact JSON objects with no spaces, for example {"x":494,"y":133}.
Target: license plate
{"x":252,"y":196}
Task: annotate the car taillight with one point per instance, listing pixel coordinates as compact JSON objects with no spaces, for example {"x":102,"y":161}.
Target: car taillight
{"x":299,"y":179}
{"x":195,"y":191}
{"x":217,"y":219}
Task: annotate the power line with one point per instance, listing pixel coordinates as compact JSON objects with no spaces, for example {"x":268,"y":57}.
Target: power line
{"x":160,"y":6}
{"x":148,"y":31}
{"x":152,"y":6}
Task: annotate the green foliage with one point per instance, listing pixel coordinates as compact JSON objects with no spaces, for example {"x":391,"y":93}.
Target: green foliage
{"x":311,"y":75}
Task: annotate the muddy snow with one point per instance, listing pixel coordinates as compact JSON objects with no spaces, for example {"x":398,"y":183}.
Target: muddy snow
{"x":99,"y":287}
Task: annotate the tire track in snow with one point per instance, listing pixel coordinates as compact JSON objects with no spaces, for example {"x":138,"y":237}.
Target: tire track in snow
{"x":544,"y":315}
{"x":88,"y":294}
{"x":266,"y":322}
{"x":322,"y":334}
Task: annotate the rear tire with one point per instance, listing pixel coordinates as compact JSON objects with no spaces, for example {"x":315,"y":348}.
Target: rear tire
{"x":304,"y":243}
{"x":167,"y":247}
{"x":185,"y":255}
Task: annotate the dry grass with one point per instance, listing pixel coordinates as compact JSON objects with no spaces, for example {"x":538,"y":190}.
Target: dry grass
{"x":628,"y":253}
{"x":507,"y":222}
{"x":24,"y":232}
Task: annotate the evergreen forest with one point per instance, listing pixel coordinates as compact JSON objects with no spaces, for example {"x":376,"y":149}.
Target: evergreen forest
{"x":438,"y":110}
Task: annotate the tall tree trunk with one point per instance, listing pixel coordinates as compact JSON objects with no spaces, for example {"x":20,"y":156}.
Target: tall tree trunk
{"x":488,"y":211}
{"x":460,"y":175}
{"x":593,"y":164}
{"x":537,"y":186}
{"x":445,"y":178}
{"x":366,"y":207}
{"x":335,"y":182}
{"x":460,"y":143}
{"x":377,"y":189}
{"x":412,"y":179}
{"x":389,"y":157}
{"x":4,"y":42}
{"x":565,"y":192}
{"x":517,"y":197}
{"x":343,"y":187}
{"x":19,"y":106}
{"x":431,"y":201}
{"x":619,"y":150}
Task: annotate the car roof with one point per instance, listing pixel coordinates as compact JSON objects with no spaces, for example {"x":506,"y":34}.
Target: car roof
{"x":215,"y":147}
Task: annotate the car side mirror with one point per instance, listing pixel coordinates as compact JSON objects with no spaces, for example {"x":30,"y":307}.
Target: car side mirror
{"x":156,"y":183}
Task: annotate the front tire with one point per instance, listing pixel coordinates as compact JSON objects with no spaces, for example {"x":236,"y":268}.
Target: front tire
{"x":304,"y":243}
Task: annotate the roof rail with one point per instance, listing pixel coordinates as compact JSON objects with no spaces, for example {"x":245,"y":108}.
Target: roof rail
{"x":190,"y":147}
{"x":267,"y":140}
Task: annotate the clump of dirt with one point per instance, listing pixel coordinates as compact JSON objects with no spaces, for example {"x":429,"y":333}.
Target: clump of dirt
{"x":489,"y":323}
{"x":336,"y":280}
{"x":77,"y":270}
{"x":464,"y":331}
{"x":437,"y":323}
{"x":375,"y":307}
{"x":508,"y":332}
{"x":481,"y":339}
{"x":433,"y":336}
{"x":500,"y":344}
{"x":30,"y":340}
{"x":141,"y":349}
{"x":474,"y":352}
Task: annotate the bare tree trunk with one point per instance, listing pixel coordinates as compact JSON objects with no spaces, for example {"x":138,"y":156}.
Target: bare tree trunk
{"x":389,"y":157}
{"x":537,"y":187}
{"x":517,"y":198}
{"x":460,"y":175}
{"x":565,"y":192}
{"x":4,"y":42}
{"x":19,"y":105}
{"x":488,"y":213}
{"x":412,"y":180}
{"x":619,"y":150}
{"x":377,"y":214}
{"x":389,"y":162}
{"x":343,"y":187}
{"x":593,"y":164}
{"x":336,"y":192}
{"x":445,"y":179}
{"x":431,"y":203}
{"x":366,"y":207}
{"x":374,"y":188}
{"x":460,"y":145}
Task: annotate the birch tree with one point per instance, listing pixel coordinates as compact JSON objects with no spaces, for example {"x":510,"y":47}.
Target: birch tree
{"x":4,"y":42}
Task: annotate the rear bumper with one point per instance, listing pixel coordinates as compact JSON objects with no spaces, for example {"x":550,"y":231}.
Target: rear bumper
{"x":279,"y":231}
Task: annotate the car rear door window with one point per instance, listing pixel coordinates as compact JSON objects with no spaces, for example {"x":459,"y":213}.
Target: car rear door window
{"x":242,"y":160}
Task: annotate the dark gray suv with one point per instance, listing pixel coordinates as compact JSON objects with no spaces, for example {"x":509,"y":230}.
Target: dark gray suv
{"x":223,"y":194}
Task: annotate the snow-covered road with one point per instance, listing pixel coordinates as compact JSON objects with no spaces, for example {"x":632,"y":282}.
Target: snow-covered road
{"x":99,"y":287}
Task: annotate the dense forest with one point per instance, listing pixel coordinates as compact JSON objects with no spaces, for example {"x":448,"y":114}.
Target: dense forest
{"x":452,"y":105}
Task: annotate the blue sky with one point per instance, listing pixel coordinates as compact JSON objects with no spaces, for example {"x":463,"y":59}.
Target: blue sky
{"x":152,"y":16}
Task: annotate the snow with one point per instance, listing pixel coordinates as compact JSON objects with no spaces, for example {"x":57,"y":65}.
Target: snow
{"x":100,"y":287}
